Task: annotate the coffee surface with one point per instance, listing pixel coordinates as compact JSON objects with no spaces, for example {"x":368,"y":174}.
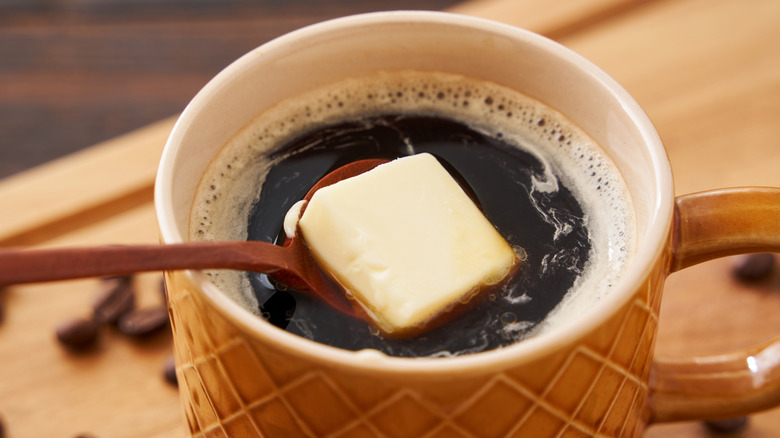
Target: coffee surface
{"x":546,"y":187}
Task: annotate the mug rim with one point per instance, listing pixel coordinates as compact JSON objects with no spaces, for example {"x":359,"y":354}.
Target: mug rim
{"x":641,"y":264}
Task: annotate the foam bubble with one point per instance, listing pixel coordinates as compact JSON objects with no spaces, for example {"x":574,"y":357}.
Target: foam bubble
{"x":229,"y":187}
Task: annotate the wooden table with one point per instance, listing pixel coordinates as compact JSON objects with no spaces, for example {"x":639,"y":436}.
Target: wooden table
{"x":706,"y":71}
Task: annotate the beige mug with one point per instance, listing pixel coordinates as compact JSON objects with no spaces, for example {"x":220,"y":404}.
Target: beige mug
{"x":594,"y":376}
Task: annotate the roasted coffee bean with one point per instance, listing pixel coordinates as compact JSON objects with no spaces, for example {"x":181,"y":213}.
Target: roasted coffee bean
{"x":727,"y":425}
{"x":753,"y":267}
{"x":142,"y":322}
{"x":115,"y":298}
{"x":78,"y":333}
{"x":169,"y":371}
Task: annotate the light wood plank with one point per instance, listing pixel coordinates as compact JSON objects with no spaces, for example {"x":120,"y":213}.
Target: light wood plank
{"x":547,"y":17}
{"x":708,"y":74}
{"x":73,"y":191}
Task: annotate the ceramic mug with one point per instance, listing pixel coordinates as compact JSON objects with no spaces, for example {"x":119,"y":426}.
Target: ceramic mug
{"x":594,"y":376}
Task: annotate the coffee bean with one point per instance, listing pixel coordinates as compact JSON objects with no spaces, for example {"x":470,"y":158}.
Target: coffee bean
{"x":142,"y":322}
{"x":169,"y":371}
{"x":727,"y":425}
{"x":115,"y":298}
{"x":753,"y":267}
{"x":78,"y":333}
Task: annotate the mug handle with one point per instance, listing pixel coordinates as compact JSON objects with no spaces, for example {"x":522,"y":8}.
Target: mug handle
{"x":709,"y":225}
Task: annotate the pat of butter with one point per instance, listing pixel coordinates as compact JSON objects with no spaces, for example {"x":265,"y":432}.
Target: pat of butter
{"x":405,"y":240}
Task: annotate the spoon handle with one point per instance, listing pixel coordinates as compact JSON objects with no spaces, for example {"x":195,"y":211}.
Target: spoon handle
{"x":19,"y":266}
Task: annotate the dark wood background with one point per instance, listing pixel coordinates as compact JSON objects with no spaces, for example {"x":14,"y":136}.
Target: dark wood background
{"x":77,"y":72}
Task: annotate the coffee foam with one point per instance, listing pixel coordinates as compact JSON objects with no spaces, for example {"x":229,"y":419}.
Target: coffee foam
{"x":230,"y":185}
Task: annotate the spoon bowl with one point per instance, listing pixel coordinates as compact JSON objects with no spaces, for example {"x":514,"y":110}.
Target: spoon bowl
{"x":290,"y":264}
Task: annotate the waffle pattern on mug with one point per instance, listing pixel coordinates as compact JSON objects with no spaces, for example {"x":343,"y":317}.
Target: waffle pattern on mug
{"x":233,"y":385}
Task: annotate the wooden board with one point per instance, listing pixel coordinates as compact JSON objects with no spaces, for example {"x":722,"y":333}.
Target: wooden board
{"x":706,"y":71}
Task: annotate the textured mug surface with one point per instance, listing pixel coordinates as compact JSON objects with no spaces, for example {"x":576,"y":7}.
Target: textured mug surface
{"x":233,"y":384}
{"x":239,"y":376}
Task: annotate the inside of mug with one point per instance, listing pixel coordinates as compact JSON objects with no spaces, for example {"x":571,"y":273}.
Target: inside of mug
{"x":330,"y":52}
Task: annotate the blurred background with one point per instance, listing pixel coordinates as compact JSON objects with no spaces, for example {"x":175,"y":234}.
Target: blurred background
{"x":77,"y":72}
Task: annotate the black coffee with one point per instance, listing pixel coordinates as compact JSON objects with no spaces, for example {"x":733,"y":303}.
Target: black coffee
{"x":545,"y":185}
{"x":548,"y":226}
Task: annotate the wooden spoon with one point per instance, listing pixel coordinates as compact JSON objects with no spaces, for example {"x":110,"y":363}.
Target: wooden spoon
{"x":290,"y":264}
